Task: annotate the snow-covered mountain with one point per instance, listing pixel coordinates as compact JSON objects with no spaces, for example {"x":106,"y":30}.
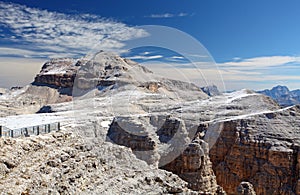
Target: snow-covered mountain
{"x":283,"y":95}
{"x":211,"y":90}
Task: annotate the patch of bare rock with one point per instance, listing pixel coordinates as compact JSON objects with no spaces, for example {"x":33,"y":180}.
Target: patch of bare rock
{"x":63,"y":163}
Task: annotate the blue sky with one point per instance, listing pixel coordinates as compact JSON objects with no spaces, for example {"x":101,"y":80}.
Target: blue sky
{"x":255,"y":44}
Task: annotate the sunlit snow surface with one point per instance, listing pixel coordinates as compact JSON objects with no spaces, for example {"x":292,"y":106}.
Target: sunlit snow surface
{"x":105,"y":108}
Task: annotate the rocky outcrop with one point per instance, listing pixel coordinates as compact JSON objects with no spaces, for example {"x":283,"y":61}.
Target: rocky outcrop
{"x":152,"y":86}
{"x":150,"y":137}
{"x":262,"y":149}
{"x":135,"y":135}
{"x":194,"y":166}
{"x":211,"y":90}
{"x":245,"y":188}
{"x":60,"y":72}
{"x":65,"y":79}
{"x":63,"y":163}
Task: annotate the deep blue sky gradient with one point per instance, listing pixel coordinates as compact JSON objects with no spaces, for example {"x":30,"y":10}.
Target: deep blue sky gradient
{"x":228,"y":29}
{"x":256,"y":43}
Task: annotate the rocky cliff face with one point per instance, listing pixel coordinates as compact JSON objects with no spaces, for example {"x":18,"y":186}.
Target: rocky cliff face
{"x":58,"y":73}
{"x":194,"y":166}
{"x":86,"y":73}
{"x":262,"y":149}
{"x":150,"y":137}
{"x":245,"y":188}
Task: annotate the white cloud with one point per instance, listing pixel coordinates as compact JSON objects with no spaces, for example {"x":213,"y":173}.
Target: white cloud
{"x":69,"y":34}
{"x":198,"y":56}
{"x":146,"y":53}
{"x":258,"y":72}
{"x":177,"y":57}
{"x":182,"y":14}
{"x":145,"y":57}
{"x":188,"y":73}
{"x":7,"y":51}
{"x":260,"y":62}
{"x":255,"y":73}
{"x":167,"y":15}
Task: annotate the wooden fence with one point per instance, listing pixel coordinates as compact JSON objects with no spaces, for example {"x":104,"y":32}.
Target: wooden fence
{"x":28,"y":131}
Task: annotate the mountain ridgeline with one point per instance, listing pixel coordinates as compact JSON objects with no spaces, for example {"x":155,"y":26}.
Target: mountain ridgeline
{"x":282,"y":95}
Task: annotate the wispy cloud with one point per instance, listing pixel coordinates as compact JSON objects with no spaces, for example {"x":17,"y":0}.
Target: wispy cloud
{"x":260,"y":62}
{"x":146,"y":57}
{"x":167,"y":15}
{"x":177,"y":57}
{"x":61,"y":33}
{"x":25,"y":53}
{"x":259,"y":72}
{"x":253,"y":73}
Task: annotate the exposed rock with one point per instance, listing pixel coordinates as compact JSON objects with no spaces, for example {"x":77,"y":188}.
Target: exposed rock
{"x":147,"y":135}
{"x":45,"y":109}
{"x":135,"y":135}
{"x":53,"y":164}
{"x":262,"y":149}
{"x":59,"y":72}
{"x":78,"y":76}
{"x":245,"y":188}
{"x":211,"y":90}
{"x":193,"y":165}
{"x":295,"y":94}
{"x":15,"y":88}
{"x":152,"y":86}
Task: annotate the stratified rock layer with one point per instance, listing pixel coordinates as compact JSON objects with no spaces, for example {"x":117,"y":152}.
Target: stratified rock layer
{"x":262,"y":149}
{"x":194,"y":166}
{"x":60,"y":72}
{"x":150,"y":138}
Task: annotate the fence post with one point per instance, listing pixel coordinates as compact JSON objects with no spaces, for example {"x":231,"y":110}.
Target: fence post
{"x":58,"y":126}
{"x":26,"y":132}
{"x":49,"y":128}
{"x":0,"y":131}
{"x":38,"y":130}
{"x":11,"y":133}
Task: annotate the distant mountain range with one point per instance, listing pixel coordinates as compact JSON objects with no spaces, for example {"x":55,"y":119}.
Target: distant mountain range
{"x":211,"y":90}
{"x":283,"y":95}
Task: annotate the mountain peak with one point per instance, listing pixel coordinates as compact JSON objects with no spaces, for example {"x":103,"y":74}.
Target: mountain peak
{"x":282,"y":95}
{"x":105,"y":70}
{"x":280,"y":88}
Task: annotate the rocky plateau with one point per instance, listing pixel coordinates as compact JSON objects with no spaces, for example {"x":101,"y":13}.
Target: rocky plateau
{"x":127,"y":131}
